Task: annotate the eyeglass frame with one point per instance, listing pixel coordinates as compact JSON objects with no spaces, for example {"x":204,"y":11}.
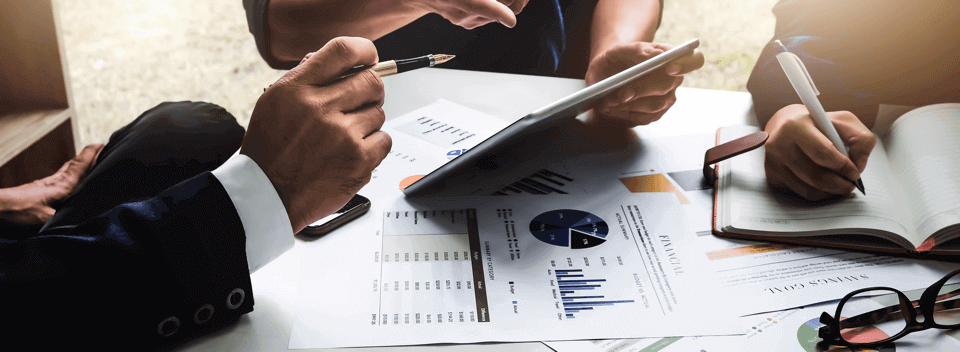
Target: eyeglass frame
{"x":830,"y":332}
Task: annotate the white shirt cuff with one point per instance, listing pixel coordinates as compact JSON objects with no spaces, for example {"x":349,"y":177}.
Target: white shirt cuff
{"x":261,"y":211}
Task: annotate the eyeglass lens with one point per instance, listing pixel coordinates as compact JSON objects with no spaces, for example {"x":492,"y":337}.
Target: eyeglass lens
{"x":946,"y":310}
{"x":862,"y":322}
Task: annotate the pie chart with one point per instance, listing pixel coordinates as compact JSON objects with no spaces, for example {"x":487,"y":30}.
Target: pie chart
{"x":569,"y":228}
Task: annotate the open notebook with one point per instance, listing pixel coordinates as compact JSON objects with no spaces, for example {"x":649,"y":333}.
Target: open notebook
{"x":912,"y":204}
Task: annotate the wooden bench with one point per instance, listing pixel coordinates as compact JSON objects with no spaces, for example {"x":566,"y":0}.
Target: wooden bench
{"x":37,"y":119}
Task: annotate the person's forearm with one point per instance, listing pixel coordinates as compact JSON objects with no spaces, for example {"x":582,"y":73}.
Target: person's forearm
{"x":623,"y":21}
{"x":297,"y":27}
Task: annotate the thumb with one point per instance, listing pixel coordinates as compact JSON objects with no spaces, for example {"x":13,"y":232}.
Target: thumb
{"x":686,"y":64}
{"x":71,"y":172}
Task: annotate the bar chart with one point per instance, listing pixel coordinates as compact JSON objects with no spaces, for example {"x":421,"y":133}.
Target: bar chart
{"x":580,"y":294}
{"x":431,"y":269}
{"x":437,"y":131}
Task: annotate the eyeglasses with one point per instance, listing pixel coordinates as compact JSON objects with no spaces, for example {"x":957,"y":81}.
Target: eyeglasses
{"x":853,"y":326}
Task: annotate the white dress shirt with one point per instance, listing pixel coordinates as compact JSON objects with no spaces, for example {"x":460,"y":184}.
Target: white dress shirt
{"x":264,"y":218}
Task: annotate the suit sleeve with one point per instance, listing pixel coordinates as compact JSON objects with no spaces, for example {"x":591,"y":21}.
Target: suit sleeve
{"x":144,"y":274}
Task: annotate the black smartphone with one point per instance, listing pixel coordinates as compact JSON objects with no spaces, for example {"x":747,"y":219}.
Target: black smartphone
{"x":354,"y":208}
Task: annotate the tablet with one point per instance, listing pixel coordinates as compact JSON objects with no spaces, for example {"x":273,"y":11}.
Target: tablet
{"x":498,"y":161}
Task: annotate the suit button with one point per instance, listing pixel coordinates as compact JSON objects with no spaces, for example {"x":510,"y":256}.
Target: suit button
{"x":203,"y":314}
{"x":235,"y":298}
{"x":168,"y":326}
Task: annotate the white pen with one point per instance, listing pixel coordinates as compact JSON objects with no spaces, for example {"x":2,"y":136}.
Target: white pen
{"x":803,"y":84}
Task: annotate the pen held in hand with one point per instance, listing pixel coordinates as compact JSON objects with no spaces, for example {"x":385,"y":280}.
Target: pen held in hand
{"x":392,"y":67}
{"x":802,"y":83}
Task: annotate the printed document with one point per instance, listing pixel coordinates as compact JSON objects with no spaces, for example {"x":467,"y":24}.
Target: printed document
{"x":523,"y":267}
{"x":516,"y":268}
{"x":769,"y":276}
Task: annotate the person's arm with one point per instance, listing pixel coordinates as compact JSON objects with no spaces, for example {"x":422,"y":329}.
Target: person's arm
{"x":142,"y":275}
{"x":798,"y":158}
{"x":292,"y":28}
{"x":152,"y":273}
{"x":261,"y":212}
{"x":296,"y":27}
{"x":617,"y":22}
{"x":621,"y":36}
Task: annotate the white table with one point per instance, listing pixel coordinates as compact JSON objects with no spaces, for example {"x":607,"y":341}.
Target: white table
{"x":504,"y":96}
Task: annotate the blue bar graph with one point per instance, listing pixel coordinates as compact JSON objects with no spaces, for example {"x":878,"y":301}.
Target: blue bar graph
{"x":578,"y":282}
{"x":571,"y":298}
{"x":579,"y":287}
{"x":569,"y":287}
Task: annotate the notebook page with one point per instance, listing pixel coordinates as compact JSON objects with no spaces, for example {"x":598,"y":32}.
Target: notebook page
{"x":752,"y":206}
{"x":924,"y":150}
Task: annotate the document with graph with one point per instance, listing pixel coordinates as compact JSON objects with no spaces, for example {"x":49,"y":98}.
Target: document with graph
{"x":519,"y":268}
{"x":774,"y":276}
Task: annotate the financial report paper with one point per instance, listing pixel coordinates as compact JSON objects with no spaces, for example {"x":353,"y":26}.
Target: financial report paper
{"x":517,"y":268}
{"x":513,"y":269}
{"x":358,"y":277}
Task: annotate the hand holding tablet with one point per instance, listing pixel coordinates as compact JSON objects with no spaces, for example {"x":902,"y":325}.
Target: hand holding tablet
{"x":494,"y":163}
{"x":642,"y":101}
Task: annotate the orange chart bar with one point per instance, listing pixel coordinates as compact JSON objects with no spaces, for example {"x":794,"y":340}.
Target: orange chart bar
{"x":748,"y":250}
{"x":653,"y":183}
{"x":409,"y":181}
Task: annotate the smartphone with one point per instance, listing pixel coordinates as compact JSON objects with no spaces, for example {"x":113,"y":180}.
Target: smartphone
{"x":353,"y":209}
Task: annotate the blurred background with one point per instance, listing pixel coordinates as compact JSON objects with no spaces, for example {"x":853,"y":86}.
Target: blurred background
{"x":127,"y":56}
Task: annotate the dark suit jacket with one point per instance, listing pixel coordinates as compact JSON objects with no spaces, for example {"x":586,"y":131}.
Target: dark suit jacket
{"x":143,"y":275}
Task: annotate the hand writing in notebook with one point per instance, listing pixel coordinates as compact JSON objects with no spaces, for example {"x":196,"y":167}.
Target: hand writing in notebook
{"x":801,"y":159}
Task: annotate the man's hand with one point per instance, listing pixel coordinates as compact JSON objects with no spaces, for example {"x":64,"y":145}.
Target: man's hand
{"x":471,"y":14}
{"x":30,"y":204}
{"x":645,"y":99}
{"x":319,"y":143}
{"x":800,"y":158}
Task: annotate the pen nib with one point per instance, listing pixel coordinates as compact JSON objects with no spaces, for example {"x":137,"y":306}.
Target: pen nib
{"x":441,"y":58}
{"x":859,"y":185}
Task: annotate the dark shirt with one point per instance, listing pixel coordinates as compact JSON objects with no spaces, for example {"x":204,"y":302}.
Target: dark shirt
{"x":863,"y":53}
{"x":534,"y":46}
